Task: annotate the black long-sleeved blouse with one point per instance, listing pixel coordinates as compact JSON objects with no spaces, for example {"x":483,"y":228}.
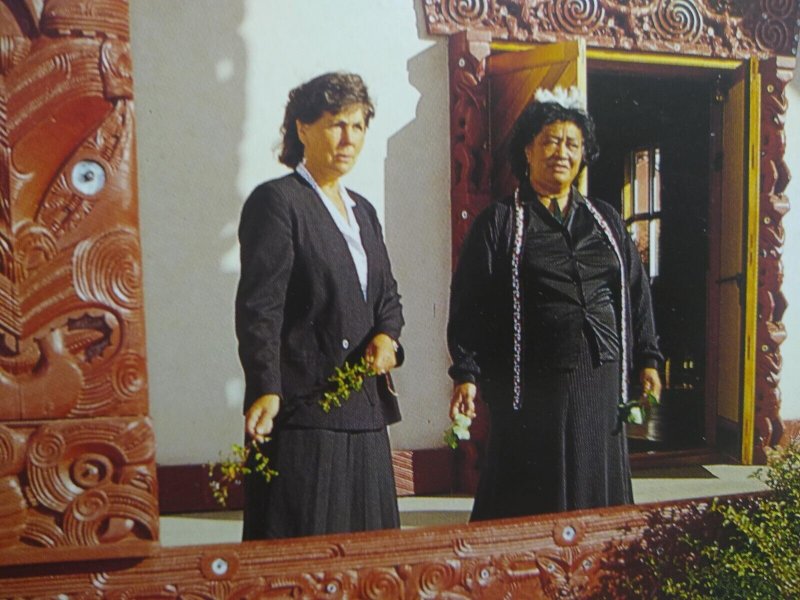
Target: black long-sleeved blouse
{"x":570,"y":284}
{"x":568,"y":272}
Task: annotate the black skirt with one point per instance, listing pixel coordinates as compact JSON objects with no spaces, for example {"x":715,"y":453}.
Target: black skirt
{"x":328,"y":482}
{"x":560,"y":451}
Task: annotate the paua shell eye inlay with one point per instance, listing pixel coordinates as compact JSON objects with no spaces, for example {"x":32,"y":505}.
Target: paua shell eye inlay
{"x":88,"y":177}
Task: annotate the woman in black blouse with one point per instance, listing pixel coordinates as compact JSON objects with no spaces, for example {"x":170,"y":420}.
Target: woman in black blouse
{"x":550,"y":312}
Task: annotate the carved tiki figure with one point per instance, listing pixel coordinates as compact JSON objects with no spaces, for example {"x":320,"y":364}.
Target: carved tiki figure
{"x":71,"y":319}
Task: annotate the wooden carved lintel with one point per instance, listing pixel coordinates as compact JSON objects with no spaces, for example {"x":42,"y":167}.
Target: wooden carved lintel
{"x":718,"y":28}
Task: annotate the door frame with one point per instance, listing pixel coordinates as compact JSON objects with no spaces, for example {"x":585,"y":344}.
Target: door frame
{"x":471,"y":34}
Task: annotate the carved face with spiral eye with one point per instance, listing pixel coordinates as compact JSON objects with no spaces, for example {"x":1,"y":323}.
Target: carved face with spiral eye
{"x":568,"y":579}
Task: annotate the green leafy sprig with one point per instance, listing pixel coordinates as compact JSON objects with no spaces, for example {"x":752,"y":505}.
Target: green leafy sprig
{"x":346,"y":380}
{"x":231,"y":469}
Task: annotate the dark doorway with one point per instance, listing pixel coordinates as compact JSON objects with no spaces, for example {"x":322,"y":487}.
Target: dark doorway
{"x":665,"y":122}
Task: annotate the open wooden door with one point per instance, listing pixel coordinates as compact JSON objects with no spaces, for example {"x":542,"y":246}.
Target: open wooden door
{"x":733,"y":266}
{"x":514,"y":78}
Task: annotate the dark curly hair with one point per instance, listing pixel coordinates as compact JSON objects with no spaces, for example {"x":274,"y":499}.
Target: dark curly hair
{"x":331,"y":93}
{"x":534,"y":118}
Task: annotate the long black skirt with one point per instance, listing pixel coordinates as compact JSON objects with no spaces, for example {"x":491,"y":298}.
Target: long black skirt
{"x":560,"y":451}
{"x":327,"y":482}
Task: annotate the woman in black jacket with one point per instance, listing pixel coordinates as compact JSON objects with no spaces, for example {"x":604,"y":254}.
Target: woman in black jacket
{"x":550,"y":311}
{"x":316,"y":290}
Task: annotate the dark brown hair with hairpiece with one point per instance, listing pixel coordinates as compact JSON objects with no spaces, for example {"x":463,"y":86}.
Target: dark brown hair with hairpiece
{"x":534,"y":118}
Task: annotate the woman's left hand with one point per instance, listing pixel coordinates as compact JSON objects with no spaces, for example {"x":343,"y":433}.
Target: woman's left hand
{"x":380,"y":354}
{"x":651,"y":381}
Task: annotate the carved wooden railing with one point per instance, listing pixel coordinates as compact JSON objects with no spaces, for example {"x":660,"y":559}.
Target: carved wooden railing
{"x":580,"y":555}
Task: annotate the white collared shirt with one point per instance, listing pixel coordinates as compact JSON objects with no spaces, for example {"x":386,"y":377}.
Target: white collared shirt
{"x":350,"y":230}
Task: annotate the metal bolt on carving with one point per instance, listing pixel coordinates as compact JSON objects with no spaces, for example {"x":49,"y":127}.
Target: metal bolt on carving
{"x":219,"y":566}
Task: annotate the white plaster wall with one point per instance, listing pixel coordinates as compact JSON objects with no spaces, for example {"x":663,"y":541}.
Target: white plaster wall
{"x":211,"y":81}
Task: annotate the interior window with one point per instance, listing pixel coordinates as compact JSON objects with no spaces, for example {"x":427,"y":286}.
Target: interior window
{"x":641,"y":202}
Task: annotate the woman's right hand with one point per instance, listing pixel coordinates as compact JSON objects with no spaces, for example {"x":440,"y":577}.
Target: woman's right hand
{"x":259,"y":419}
{"x":463,"y":400}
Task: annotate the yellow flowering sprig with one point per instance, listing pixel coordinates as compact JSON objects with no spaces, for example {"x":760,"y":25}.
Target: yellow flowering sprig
{"x":636,"y":411}
{"x":232,"y":468}
{"x":346,"y":380}
{"x":458,"y":430}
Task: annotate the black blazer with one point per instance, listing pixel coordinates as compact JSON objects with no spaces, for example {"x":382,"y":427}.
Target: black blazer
{"x":299,"y":308}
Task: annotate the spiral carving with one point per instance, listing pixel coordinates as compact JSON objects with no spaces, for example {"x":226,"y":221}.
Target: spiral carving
{"x":107,"y":270}
{"x":678,"y":19}
{"x":46,"y":449}
{"x":381,"y":583}
{"x":90,"y":506}
{"x":778,"y":9}
{"x":84,"y":518}
{"x":436,"y":577}
{"x":12,"y":451}
{"x":35,"y":246}
{"x":91,"y":470}
{"x":772,"y":34}
{"x":466,"y":12}
{"x":50,"y":489}
{"x":129,"y":377}
{"x":578,"y":16}
{"x":63,"y":463}
{"x":94,"y":475}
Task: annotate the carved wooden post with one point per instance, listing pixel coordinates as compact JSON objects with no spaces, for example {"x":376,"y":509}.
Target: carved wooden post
{"x":470,"y":182}
{"x":77,"y":451}
{"x":771,"y":301}
{"x":470,"y":157}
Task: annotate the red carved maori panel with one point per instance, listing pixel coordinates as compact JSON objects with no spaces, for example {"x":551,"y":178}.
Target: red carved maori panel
{"x":720,"y":28}
{"x":71,"y":320}
{"x":82,"y":482}
{"x":588,"y":554}
{"x":77,"y":456}
{"x":774,"y":204}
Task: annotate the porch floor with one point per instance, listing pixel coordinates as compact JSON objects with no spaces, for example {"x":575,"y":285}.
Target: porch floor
{"x":649,"y":485}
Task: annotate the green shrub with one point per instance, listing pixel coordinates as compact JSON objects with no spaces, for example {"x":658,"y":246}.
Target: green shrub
{"x":754,"y":555}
